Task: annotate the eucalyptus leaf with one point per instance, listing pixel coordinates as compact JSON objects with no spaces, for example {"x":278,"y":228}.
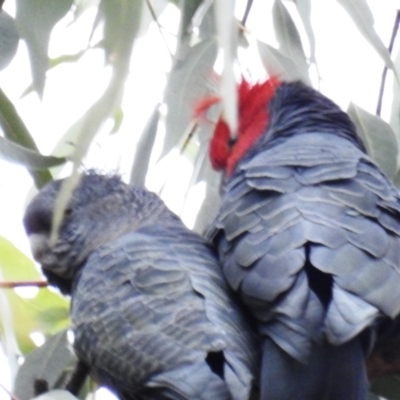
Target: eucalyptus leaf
{"x":9,"y":39}
{"x":387,"y":387}
{"x":227,"y":32}
{"x":188,"y":9}
{"x":203,"y":172}
{"x":198,"y":167}
{"x":362,"y":16}
{"x":14,"y":264}
{"x":397,"y":179}
{"x":187,"y":84}
{"x":304,"y":9}
{"x":46,"y":312}
{"x":52,"y":363}
{"x":119,"y":43}
{"x":395,"y":106}
{"x":15,"y":130}
{"x":9,"y":344}
{"x":151,"y":12}
{"x":372,"y":396}
{"x":118,"y":118}
{"x":56,"y":395}
{"x":144,"y":148}
{"x":288,"y":37}
{"x":66,"y":58}
{"x":35,"y":21}
{"x":378,"y":138}
{"x":279,"y":65}
{"x":212,"y":201}
{"x":205,"y":20}
{"x":122,"y":22}
{"x":82,"y":5}
{"x":15,"y":153}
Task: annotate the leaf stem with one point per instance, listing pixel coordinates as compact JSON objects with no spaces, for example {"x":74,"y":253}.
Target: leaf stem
{"x":247,"y":12}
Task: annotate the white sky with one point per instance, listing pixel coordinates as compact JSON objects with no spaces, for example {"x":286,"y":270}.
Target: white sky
{"x":349,"y":66}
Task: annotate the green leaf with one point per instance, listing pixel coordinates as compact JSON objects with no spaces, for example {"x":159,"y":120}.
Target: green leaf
{"x":362,"y":16}
{"x":387,"y":386}
{"x":67,"y":58}
{"x":124,"y":16}
{"x":12,"y":152}
{"x":205,"y":20}
{"x":9,"y":39}
{"x":122,"y":21}
{"x":227,"y":39}
{"x":8,"y":335}
{"x":144,"y":149}
{"x":188,"y":9}
{"x":53,"y":362}
{"x":15,"y":130}
{"x":372,"y":396}
{"x":304,"y":9}
{"x":288,"y":37}
{"x":186,"y":86}
{"x":56,"y":395}
{"x":14,"y":264}
{"x":45,"y":312}
{"x":378,"y":138}
{"x":82,"y":5}
{"x":118,"y":117}
{"x":278,"y":64}
{"x":35,"y":21}
{"x":12,"y":125}
{"x":395,"y":108}
{"x":396,"y":179}
{"x":152,"y":11}
{"x":212,"y":200}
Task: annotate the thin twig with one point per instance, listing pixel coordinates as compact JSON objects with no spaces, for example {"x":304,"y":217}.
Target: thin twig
{"x":192,"y":131}
{"x":12,"y":397}
{"x":12,"y":285}
{"x":247,"y":12}
{"x":154,"y":16}
{"x":385,"y":69}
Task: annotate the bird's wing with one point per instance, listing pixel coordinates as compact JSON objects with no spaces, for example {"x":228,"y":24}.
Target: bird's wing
{"x":149,"y":307}
{"x":311,"y":199}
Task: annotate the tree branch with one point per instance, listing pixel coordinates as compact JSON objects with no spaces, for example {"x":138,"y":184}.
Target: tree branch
{"x":12,"y":285}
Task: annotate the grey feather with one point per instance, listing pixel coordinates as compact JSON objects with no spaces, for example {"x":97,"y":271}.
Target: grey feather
{"x":151,"y":312}
{"x":309,"y":236}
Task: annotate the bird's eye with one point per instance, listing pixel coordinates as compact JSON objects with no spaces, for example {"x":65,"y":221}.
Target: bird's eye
{"x":68,"y":211}
{"x":231,"y":142}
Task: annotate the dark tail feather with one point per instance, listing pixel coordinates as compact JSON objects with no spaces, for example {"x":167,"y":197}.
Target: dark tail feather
{"x":332,"y":373}
{"x":348,"y":372}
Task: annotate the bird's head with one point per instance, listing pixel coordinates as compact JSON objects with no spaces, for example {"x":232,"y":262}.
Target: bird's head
{"x":227,"y":148}
{"x":100,"y":209}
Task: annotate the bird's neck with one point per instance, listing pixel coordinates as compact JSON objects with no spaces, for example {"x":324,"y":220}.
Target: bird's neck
{"x":297,"y":109}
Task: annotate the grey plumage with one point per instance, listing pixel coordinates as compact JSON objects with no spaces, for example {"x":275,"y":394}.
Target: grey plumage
{"x":152,"y":315}
{"x":308,"y":235}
